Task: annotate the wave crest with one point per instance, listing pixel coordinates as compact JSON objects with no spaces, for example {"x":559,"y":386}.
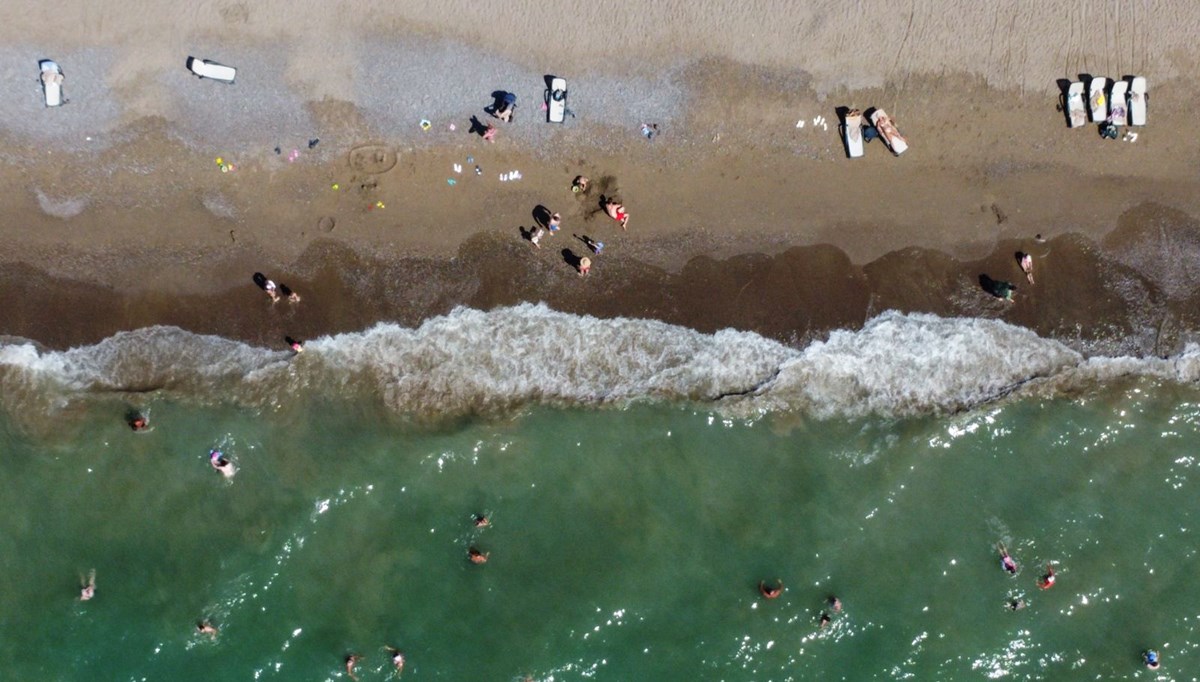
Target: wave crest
{"x":475,"y":362}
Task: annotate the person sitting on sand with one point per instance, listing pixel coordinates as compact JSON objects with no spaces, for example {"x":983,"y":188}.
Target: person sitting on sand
{"x":489,"y":133}
{"x":351,"y":661}
{"x":580,"y":184}
{"x":535,"y":235}
{"x":555,"y":222}
{"x":585,"y":266}
{"x":221,"y":464}
{"x":616,"y":211}
{"x":87,"y":586}
{"x":770,"y":591}
{"x":205,"y":627}
{"x":476,"y":556}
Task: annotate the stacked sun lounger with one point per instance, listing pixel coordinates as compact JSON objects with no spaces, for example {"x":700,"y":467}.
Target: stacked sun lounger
{"x":1124,"y":103}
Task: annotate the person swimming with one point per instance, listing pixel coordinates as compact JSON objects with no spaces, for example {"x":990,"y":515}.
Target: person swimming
{"x":770,"y":591}
{"x":139,"y":422}
{"x":480,"y":521}
{"x":1047,"y":580}
{"x":352,"y":661}
{"x":476,"y":556}
{"x":87,"y":586}
{"x":1006,"y":561}
{"x":397,"y":659}
{"x":1150,"y":658}
{"x":221,"y":464}
{"x":205,"y":627}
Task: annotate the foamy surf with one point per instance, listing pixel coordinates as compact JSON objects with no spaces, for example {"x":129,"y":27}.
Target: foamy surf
{"x":476,"y":362}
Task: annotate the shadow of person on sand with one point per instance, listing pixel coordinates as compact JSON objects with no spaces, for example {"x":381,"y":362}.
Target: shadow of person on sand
{"x":478,"y":127}
{"x":571,"y":259}
{"x":541,"y":215}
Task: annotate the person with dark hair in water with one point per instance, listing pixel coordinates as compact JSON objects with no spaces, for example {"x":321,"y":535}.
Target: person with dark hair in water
{"x":221,"y":464}
{"x":1047,"y":580}
{"x":139,"y":422}
{"x":352,"y":661}
{"x":205,"y":627}
{"x":480,"y":521}
{"x":770,"y":591}
{"x":476,"y":556}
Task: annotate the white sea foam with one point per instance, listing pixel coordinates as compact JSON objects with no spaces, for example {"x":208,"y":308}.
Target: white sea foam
{"x":471,"y":361}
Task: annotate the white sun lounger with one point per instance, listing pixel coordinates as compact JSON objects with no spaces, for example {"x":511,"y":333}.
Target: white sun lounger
{"x":206,"y":69}
{"x":1076,"y":109}
{"x":1137,"y":101}
{"x":52,"y":78}
{"x":852,"y":133}
{"x":1117,"y":100}
{"x":887,"y":130}
{"x":556,"y":101}
{"x":1097,"y":99}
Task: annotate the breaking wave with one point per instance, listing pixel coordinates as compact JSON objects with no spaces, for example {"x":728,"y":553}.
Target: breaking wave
{"x":475,"y":362}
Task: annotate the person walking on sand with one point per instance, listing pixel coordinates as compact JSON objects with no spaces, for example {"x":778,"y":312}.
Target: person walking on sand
{"x":272,"y":290}
{"x":476,"y":556}
{"x":352,"y":661}
{"x":616,"y":211}
{"x":1026,"y":262}
{"x":287,"y":293}
{"x":535,"y":235}
{"x":585,"y":266}
{"x":87,"y":586}
{"x":594,"y":246}
{"x":770,"y":591}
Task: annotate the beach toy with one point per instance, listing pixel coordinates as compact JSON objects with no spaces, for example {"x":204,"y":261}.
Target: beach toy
{"x":336,"y":187}
{"x":425,"y":124}
{"x":451,"y":181}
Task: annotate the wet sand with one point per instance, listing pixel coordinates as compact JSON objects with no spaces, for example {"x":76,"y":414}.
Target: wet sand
{"x":740,"y":218}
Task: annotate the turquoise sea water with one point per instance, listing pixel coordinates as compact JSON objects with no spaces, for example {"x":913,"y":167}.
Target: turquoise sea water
{"x":627,"y":537}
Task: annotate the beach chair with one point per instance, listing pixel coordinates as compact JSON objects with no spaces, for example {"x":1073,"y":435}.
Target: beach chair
{"x":1076,"y":109}
{"x":1117,"y":104}
{"x":203,"y":68}
{"x":887,"y":130}
{"x":556,"y":101}
{"x":1137,"y":101}
{"x":1097,"y":99}
{"x":852,"y":133}
{"x":52,"y":78}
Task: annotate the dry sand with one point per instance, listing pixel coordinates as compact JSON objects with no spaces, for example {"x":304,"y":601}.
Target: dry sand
{"x":119,"y":216}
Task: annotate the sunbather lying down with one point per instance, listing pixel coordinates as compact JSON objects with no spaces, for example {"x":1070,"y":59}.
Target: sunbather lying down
{"x":51,"y":77}
{"x":617,"y":212}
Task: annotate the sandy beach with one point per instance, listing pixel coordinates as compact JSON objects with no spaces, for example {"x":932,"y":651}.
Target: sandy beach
{"x":118,"y":215}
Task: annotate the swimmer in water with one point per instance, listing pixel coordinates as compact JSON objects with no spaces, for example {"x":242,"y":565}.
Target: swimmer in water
{"x":476,"y":556}
{"x":1006,"y":561}
{"x":1047,"y":581}
{"x":770,"y":591}
{"x":480,"y":521}
{"x":835,"y":604}
{"x":205,"y":627}
{"x":139,"y":422}
{"x":397,"y":659}
{"x":351,"y":661}
{"x":295,"y":345}
{"x":1150,"y":658}
{"x":1016,"y":604}
{"x":221,"y":464}
{"x":87,"y":586}
{"x":825,"y":619}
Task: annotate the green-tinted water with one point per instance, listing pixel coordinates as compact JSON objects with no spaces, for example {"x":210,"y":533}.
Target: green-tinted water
{"x":625,"y":544}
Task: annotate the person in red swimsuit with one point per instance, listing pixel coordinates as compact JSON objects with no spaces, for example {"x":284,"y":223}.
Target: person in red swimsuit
{"x":1047,"y":581}
{"x":616,"y":211}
